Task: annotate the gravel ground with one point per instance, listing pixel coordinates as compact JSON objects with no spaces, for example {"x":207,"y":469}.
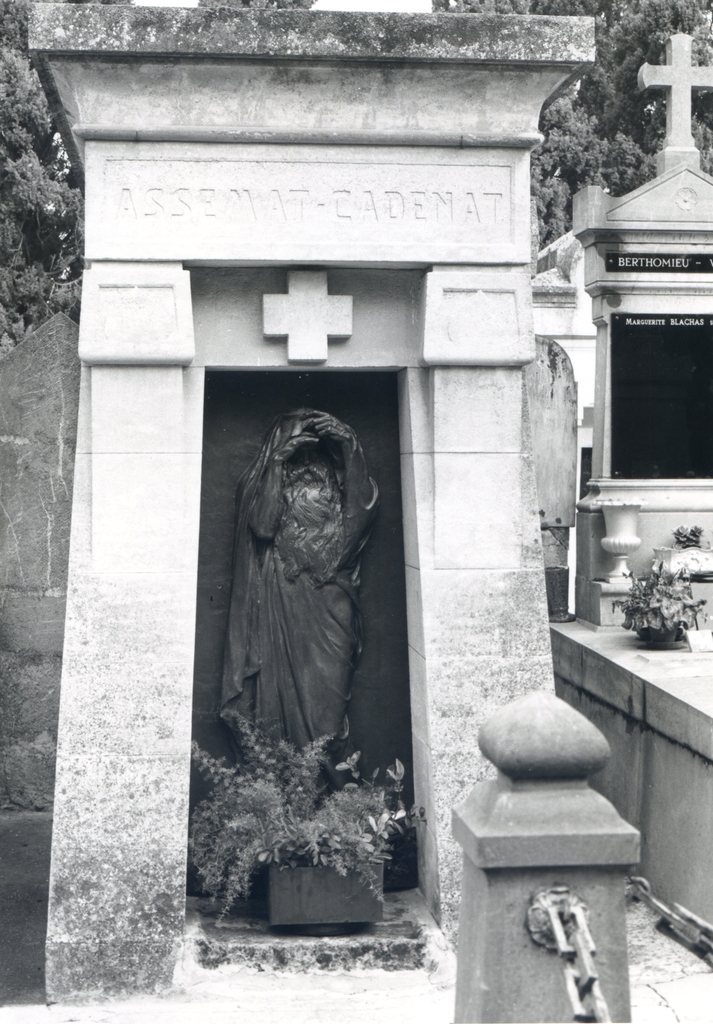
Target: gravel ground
{"x":669,"y":984}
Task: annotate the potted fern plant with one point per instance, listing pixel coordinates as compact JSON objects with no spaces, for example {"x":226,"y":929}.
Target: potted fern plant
{"x":660,"y":606}
{"x":324,"y":851}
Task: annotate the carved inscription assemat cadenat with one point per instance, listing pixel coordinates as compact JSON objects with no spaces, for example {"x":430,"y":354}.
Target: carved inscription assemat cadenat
{"x":250,"y":203}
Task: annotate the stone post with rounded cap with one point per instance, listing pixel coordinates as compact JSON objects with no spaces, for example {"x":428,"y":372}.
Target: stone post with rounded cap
{"x":539,"y":829}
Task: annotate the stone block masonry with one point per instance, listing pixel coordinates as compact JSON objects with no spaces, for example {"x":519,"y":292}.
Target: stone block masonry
{"x":656,"y":710}
{"x":39,"y":393}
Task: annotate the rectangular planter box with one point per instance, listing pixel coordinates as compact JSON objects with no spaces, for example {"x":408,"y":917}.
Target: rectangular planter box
{"x":320,"y":896}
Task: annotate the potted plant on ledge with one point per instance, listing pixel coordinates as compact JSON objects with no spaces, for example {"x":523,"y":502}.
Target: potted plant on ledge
{"x":660,"y":606}
{"x":688,"y":553}
{"x":324,"y":851}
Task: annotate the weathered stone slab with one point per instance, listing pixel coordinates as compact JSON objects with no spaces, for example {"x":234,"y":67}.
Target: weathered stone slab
{"x":552,"y":394}
{"x":478,"y":317}
{"x":367,"y":188}
{"x":227,"y":32}
{"x":24,"y":866}
{"x":136,"y":315}
{"x":39,"y":384}
{"x":32,"y":623}
{"x":402,"y":941}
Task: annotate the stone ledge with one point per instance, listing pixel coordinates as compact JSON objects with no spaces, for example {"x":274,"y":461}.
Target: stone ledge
{"x":226,"y":32}
{"x":670,"y":692}
{"x":405,"y":940}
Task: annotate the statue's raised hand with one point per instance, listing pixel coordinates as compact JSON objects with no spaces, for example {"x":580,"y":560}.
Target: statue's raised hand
{"x":292,"y":445}
{"x":325,"y":425}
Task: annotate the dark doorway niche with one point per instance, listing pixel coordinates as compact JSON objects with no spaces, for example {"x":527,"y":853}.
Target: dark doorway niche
{"x":239,"y":409}
{"x":662,"y":396}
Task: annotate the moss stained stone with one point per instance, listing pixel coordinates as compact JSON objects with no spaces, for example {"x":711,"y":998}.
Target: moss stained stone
{"x":39,"y":389}
{"x":334,"y":35}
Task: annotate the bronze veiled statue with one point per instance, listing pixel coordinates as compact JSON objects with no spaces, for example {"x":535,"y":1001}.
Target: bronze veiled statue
{"x":305,"y":508}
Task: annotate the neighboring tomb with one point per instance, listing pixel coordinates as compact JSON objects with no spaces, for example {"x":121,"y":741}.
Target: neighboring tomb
{"x":39,"y":387}
{"x":649,"y":270}
{"x":552,"y":397}
{"x":244,"y":171}
{"x":562,"y":310}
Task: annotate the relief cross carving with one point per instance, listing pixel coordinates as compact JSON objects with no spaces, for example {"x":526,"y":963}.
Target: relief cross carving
{"x":678,"y":78}
{"x":307,"y":316}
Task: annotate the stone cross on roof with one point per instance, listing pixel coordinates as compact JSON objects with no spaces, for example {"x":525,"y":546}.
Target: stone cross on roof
{"x":307,"y":316}
{"x":678,"y":78}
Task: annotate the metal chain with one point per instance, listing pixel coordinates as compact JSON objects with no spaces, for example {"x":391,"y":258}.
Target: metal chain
{"x":680,"y":924}
{"x":557,"y":919}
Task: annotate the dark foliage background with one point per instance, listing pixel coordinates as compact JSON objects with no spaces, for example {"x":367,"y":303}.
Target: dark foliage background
{"x":40,"y":203}
{"x":602,"y":132}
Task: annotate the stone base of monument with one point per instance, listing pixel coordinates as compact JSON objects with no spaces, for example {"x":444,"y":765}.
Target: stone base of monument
{"x":595,"y":600}
{"x":406,"y":939}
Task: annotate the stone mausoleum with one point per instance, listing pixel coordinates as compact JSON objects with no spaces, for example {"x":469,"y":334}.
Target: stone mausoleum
{"x":288,"y":210}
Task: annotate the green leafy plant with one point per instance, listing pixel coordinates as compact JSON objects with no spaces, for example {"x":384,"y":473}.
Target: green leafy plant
{"x":661,"y":601}
{"x":273,"y":808}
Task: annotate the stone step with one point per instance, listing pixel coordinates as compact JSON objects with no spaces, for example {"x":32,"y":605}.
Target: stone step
{"x":407,"y":939}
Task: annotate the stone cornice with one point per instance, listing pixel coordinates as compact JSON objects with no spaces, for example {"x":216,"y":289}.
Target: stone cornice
{"x":305,"y":136}
{"x":662,"y":495}
{"x":317,"y":35}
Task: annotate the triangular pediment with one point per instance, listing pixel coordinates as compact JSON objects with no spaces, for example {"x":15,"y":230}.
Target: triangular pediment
{"x":680,"y":197}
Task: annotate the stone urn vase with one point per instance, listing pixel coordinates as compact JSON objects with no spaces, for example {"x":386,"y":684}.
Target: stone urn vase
{"x":621,"y":539}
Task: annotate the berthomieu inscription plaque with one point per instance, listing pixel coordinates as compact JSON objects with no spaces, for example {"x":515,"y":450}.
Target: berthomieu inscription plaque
{"x":304,"y":511}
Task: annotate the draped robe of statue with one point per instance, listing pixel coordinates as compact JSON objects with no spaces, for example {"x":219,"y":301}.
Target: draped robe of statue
{"x":305,"y":508}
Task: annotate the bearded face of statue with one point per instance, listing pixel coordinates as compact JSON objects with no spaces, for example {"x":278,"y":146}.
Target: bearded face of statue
{"x":309,"y":537}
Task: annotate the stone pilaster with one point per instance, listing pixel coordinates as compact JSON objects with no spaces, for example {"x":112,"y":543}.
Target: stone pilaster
{"x":478,"y":630}
{"x":117,"y":890}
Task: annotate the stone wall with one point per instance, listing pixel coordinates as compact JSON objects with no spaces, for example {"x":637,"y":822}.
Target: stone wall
{"x":39,"y":393}
{"x":655,"y":709}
